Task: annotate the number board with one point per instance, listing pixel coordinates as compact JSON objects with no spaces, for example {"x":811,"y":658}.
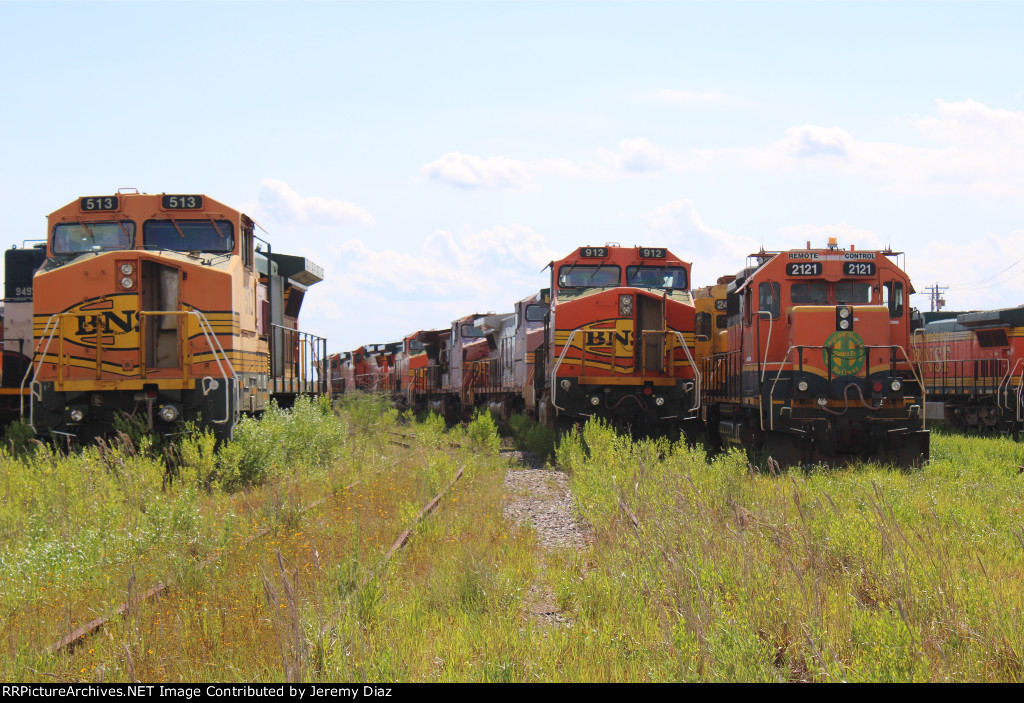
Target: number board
{"x":804,"y":268}
{"x":646,"y":253}
{"x":720,"y":304}
{"x":858,"y":268}
{"x":594,"y":252}
{"x":182,"y":202}
{"x":98,"y":204}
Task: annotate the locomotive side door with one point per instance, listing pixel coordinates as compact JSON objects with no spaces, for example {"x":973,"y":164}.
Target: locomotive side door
{"x":160,"y":293}
{"x":650,"y":317}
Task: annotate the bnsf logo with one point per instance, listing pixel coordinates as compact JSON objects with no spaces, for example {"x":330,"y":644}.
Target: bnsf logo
{"x":604,"y":339}
{"x":109,"y":322}
{"x":113,"y":321}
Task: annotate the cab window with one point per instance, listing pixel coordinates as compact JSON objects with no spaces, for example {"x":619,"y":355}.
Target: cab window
{"x":769,"y":299}
{"x":664,"y":277}
{"x":892,"y":293}
{"x":77,"y":237}
{"x":189,"y":235}
{"x":809,"y":293}
{"x":573,"y":276}
{"x":853,"y":293}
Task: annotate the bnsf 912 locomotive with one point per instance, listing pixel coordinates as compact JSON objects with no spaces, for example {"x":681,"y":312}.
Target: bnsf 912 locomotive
{"x":619,"y":340}
{"x":164,"y":307}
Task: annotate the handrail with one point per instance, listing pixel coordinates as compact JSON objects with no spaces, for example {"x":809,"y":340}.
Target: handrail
{"x":558,"y":364}
{"x":54,"y":323}
{"x":867,"y":350}
{"x":696,"y":371}
{"x":55,"y":320}
{"x":1006,"y":380}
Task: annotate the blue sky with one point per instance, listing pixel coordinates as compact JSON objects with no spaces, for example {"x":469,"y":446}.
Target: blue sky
{"x":432,"y":157}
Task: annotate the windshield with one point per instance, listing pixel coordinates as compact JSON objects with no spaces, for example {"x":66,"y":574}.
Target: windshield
{"x":471,"y":331}
{"x":188,"y":235}
{"x":77,"y":237}
{"x":574,"y":276}
{"x":670,"y":277}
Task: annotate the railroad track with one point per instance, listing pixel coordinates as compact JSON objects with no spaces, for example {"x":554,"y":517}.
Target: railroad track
{"x":75,"y":638}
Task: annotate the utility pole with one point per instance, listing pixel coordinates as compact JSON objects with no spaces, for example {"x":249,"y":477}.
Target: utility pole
{"x":938,"y":302}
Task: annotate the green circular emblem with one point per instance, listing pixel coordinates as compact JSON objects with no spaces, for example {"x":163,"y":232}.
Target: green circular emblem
{"x":846,"y":357}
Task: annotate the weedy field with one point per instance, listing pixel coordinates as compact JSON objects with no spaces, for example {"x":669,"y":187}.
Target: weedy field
{"x":273,"y":552}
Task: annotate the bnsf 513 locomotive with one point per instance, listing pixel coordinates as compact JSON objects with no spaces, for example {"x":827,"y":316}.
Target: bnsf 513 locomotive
{"x":817,"y":363}
{"x":164,"y":307}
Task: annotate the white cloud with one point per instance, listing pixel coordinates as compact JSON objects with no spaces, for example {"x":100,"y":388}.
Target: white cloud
{"x":685,"y":96}
{"x":470,"y":172}
{"x":797,"y":236}
{"x":637,"y":156}
{"x":375,"y":294}
{"x":713,"y":252}
{"x":994,"y":279}
{"x":977,"y":149}
{"x":282,"y":204}
{"x":974,"y":148}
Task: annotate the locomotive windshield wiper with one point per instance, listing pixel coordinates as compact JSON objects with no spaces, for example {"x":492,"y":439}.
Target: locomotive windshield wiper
{"x":594,"y":273}
{"x":175,"y":223}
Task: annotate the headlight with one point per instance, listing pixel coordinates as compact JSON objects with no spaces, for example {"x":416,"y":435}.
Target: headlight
{"x":127,"y":282}
{"x":168,"y":413}
{"x":76,"y":415}
{"x":802,"y":386}
{"x":895,"y":385}
{"x":844,"y":312}
{"x":659,"y":401}
{"x":625,"y":305}
{"x":595,"y":400}
{"x":127,"y":269}
{"x":844,"y":324}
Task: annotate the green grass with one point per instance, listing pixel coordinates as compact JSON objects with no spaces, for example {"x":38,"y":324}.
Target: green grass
{"x":860,"y":574}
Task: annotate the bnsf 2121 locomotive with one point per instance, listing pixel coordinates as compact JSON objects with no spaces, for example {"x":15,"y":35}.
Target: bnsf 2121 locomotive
{"x":816,"y":365}
{"x":164,"y":308}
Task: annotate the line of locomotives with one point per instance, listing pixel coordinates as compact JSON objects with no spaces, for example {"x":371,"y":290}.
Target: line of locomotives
{"x":167,"y":308}
{"x":170,"y":308}
{"x":805,"y":355}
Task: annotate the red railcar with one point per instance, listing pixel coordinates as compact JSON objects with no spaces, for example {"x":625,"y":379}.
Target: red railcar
{"x":972,"y":364}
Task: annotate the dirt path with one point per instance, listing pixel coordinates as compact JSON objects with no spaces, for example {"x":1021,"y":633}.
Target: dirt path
{"x":540,"y":499}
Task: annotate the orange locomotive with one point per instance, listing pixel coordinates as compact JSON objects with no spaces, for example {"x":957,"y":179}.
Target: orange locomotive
{"x":163,"y":306}
{"x":973,"y":366}
{"x":816,"y":366}
{"x":619,"y":342}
